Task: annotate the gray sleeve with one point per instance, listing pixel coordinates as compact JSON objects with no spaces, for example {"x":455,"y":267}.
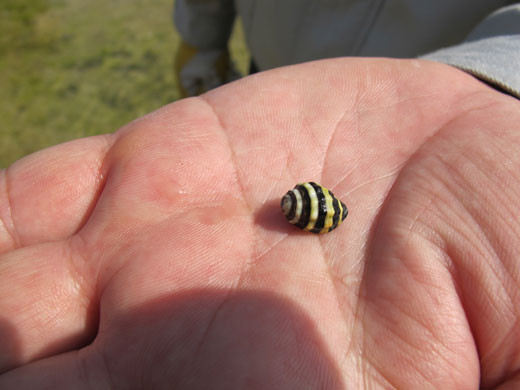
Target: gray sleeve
{"x":205,"y":24}
{"x":491,"y":52}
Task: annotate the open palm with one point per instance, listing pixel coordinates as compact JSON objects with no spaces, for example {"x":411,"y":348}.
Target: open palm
{"x":158,"y":257}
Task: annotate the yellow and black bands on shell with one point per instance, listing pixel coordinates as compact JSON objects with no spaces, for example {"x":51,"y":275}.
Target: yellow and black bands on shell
{"x":313,"y":208}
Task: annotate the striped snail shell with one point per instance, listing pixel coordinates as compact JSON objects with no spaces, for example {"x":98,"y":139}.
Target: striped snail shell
{"x":313,"y":208}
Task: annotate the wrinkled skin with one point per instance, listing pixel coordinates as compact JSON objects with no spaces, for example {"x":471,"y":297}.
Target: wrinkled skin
{"x":157,"y":257}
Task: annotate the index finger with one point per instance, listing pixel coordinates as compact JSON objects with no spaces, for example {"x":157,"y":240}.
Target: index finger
{"x":47,"y":195}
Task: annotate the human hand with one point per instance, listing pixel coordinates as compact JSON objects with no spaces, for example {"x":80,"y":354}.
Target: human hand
{"x":198,"y":71}
{"x":158,"y":257}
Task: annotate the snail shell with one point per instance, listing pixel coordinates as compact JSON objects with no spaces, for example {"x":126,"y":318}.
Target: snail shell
{"x":313,"y":208}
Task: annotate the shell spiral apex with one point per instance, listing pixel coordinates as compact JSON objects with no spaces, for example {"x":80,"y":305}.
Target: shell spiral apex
{"x":313,"y":208}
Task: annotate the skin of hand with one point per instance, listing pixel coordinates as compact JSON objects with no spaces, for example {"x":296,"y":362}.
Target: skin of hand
{"x":158,"y":257}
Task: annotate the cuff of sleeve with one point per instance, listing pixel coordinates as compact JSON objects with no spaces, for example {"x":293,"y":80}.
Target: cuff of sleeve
{"x":495,"y":60}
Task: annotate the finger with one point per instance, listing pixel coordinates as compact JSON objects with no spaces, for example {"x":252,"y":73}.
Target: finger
{"x":64,"y":371}
{"x":47,"y":195}
{"x":45,"y":303}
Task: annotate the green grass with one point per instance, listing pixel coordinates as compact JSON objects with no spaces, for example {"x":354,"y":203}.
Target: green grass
{"x":73,"y":68}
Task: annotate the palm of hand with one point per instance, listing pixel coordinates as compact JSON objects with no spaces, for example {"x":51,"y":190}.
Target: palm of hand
{"x":162,"y":254}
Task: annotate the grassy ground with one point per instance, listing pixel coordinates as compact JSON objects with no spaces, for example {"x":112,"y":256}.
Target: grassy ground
{"x":73,"y":68}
